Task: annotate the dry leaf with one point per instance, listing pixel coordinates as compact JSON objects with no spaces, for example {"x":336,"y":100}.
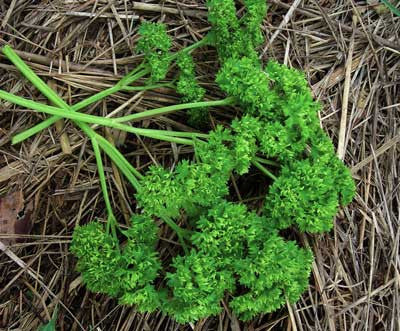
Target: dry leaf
{"x":15,"y":217}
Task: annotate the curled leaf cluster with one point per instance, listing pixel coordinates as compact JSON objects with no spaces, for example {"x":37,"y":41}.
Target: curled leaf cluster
{"x":155,"y":44}
{"x":190,"y":89}
{"x":127,"y":272}
{"x":236,"y":37}
{"x":233,"y":253}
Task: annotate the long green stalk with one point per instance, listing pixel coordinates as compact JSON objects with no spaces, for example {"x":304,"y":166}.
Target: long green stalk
{"x":121,"y":162}
{"x":269,"y":162}
{"x":121,"y":85}
{"x":111,"y":221}
{"x":80,"y":105}
{"x":147,"y":87}
{"x":170,"y":109}
{"x":172,"y":136}
{"x":116,"y":156}
{"x":32,"y":77}
{"x":264,"y":170}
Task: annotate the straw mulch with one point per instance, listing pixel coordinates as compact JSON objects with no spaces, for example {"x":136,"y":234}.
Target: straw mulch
{"x":349,"y":51}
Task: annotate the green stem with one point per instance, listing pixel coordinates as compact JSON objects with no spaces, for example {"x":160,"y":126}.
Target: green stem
{"x":32,"y":77}
{"x":96,"y":139}
{"x":120,"y":161}
{"x":51,"y":95}
{"x":263,"y":169}
{"x":147,"y":87}
{"x":111,"y":221}
{"x":78,"y":106}
{"x":101,"y":95}
{"x":124,"y":82}
{"x":181,"y":233}
{"x":170,"y":109}
{"x":269,"y":162}
{"x":94,"y":98}
{"x":171,"y":136}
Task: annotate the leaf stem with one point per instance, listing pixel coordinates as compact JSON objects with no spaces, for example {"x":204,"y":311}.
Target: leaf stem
{"x":165,"y":135}
{"x":120,"y":161}
{"x":147,"y":87}
{"x":269,"y":162}
{"x":113,"y":153}
{"x":78,"y":106}
{"x":181,"y":233}
{"x":134,"y":75}
{"x":170,"y":109}
{"x":264,"y":170}
{"x":96,"y":139}
{"x":111,"y":221}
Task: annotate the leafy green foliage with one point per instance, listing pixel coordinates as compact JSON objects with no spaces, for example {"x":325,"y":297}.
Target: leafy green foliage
{"x":279,"y":98}
{"x":247,"y":130}
{"x":252,"y":20}
{"x":227,"y":231}
{"x":191,"y":185}
{"x":190,"y":89}
{"x":308,"y":192}
{"x":153,"y":38}
{"x":201,"y":185}
{"x":126,"y":274}
{"x":98,"y":257}
{"x":279,"y":270}
{"x":198,"y":285}
{"x":295,"y":106}
{"x":216,"y":152}
{"x":236,"y":247}
{"x":304,"y":194}
{"x":155,"y":43}
{"x":146,"y":299}
{"x":282,"y":123}
{"x":139,"y":265}
{"x":187,"y":84}
{"x":159,"y":193}
{"x":243,"y":79}
{"x":322,"y":148}
{"x":222,"y":16}
{"x":234,"y":38}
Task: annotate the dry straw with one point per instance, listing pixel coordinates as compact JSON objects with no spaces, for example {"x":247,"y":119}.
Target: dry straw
{"x":353,"y":66}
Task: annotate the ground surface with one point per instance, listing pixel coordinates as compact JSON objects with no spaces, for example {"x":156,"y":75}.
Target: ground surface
{"x":350,"y":51}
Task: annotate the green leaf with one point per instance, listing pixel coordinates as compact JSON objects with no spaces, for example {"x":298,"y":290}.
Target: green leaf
{"x":51,"y":325}
{"x":391,"y":7}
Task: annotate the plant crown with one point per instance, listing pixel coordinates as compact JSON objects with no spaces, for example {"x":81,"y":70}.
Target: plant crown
{"x":232,"y":250}
{"x":229,"y":251}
